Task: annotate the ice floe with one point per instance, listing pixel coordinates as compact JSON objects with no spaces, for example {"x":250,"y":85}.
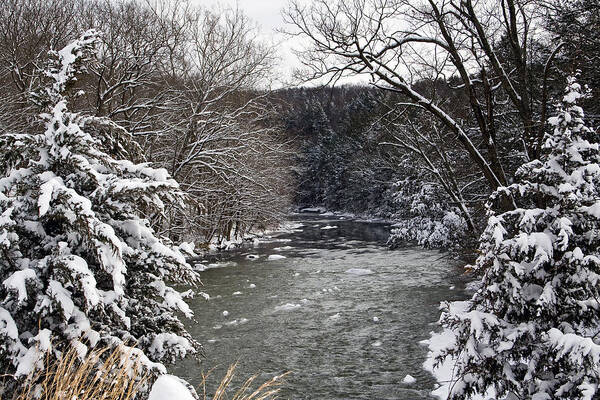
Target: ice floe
{"x":359,"y":271}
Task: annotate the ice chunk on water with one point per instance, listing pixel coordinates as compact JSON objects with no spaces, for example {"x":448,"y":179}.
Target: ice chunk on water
{"x":359,"y":271}
{"x":287,"y":307}
{"x":283,"y":248}
{"x":275,"y":257}
{"x":240,"y":321}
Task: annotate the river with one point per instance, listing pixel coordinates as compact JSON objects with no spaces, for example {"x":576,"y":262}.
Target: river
{"x":342,"y":312}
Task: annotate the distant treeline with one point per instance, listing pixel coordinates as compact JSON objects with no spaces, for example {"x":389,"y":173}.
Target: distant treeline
{"x":380,"y":150}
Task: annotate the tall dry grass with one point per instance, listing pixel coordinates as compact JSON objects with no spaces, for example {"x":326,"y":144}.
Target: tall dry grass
{"x":266,"y":391}
{"x":117,"y":377}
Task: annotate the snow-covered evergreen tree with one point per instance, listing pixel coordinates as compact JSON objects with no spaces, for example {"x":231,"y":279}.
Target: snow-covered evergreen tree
{"x":531,"y":331}
{"x":80,"y":265}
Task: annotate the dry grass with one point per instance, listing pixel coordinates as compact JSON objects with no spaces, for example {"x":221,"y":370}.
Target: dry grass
{"x":115,"y":378}
{"x":119,"y":378}
{"x":266,"y":391}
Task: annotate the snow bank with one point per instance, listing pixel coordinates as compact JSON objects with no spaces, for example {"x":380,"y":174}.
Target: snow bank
{"x":170,"y":387}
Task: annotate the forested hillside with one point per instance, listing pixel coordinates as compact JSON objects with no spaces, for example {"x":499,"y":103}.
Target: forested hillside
{"x":187,"y":82}
{"x":428,"y":150}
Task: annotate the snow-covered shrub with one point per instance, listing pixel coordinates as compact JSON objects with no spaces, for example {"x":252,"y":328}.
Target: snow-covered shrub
{"x":531,"y":331}
{"x":425,"y":220}
{"x":80,"y":265}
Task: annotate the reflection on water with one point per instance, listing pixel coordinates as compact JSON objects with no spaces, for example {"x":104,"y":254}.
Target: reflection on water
{"x":341,"y":311}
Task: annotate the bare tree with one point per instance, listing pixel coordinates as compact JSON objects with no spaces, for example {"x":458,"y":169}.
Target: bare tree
{"x":220,"y":142}
{"x":479,"y":47}
{"x":190,"y":84}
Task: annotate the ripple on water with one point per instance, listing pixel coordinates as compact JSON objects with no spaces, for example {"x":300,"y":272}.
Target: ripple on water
{"x":345,"y":315}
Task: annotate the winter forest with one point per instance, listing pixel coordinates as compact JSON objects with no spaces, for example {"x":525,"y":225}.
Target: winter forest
{"x":412,"y":213}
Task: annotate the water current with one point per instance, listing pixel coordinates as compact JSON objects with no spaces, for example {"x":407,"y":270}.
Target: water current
{"x":341,"y":311}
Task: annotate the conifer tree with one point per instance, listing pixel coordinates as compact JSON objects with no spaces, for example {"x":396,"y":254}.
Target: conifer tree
{"x":531,"y":330}
{"x":80,"y":264}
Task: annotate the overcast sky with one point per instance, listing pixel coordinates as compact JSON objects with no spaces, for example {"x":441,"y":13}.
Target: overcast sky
{"x":267,"y":14}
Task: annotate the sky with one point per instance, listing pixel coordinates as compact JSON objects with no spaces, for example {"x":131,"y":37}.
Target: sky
{"x":268,"y":15}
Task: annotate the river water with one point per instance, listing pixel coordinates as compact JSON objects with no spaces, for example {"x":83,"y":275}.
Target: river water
{"x":342,"y":312}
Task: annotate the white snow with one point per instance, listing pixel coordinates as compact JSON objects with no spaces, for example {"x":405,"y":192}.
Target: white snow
{"x":205,"y":295}
{"x":62,"y":297}
{"x":17,"y":282}
{"x":274,"y":257}
{"x":376,"y":344}
{"x":444,"y":372}
{"x":252,"y":286}
{"x":327,"y":227}
{"x":409,"y":380}
{"x":170,"y":387}
{"x":252,"y":256}
{"x":359,"y":271}
{"x":283,"y":248}
{"x":7,"y":325}
{"x":375,"y":319}
{"x":225,"y":313}
{"x":236,"y":293}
